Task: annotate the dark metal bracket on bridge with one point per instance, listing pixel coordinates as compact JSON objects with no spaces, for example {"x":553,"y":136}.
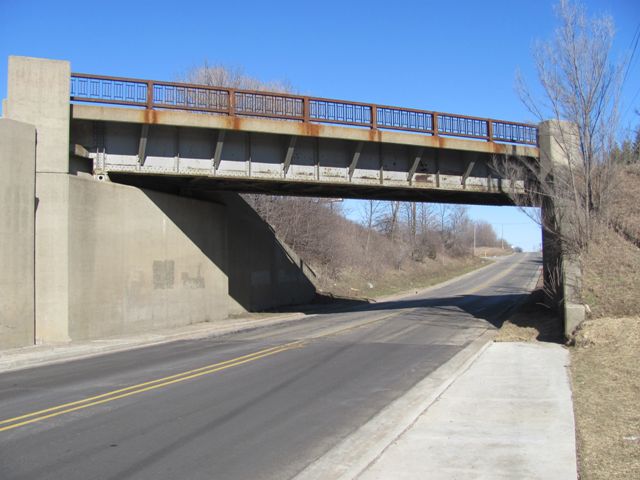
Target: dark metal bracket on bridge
{"x":142,"y":145}
{"x":414,"y":167}
{"x":217,"y":154}
{"x":354,"y":160}
{"x":467,"y":172}
{"x":289,"y":155}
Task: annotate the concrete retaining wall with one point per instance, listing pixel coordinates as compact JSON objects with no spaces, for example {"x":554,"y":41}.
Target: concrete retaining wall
{"x":141,"y":260}
{"x":17,"y":199}
{"x":136,"y":260}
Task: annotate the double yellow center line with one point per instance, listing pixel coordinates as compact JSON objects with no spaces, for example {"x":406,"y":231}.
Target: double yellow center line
{"x":26,"y":419}
{"x":15,"y":422}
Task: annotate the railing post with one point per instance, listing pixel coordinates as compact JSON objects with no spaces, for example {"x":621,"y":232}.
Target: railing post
{"x":232,"y":102}
{"x":490,"y":130}
{"x":434,"y":121}
{"x":150,"y":94}
{"x":306,"y":110}
{"x":374,"y":117}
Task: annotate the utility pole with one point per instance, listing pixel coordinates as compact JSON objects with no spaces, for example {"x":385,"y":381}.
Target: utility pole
{"x":474,"y":238}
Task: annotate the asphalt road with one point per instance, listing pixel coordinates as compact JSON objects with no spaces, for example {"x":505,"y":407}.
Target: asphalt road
{"x":261,"y":404}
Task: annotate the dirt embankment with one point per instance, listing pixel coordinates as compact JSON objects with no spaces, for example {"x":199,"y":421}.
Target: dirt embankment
{"x":605,"y":352}
{"x":605,"y":370}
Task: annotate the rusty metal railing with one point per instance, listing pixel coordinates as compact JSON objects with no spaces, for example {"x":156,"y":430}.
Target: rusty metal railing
{"x":152,"y":94}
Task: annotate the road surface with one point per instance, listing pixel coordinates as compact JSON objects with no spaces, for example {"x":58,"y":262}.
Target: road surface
{"x":261,"y":404}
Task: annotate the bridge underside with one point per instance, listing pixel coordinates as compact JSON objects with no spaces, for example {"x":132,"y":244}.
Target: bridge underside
{"x":193,"y":185}
{"x":184,"y":152}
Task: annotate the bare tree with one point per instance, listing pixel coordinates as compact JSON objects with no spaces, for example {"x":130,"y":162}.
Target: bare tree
{"x":581,"y":88}
{"x":221,"y":75}
{"x":426,"y":218}
{"x":485,"y":235}
{"x":388,"y":223}
{"x":370,"y":215}
{"x":443,"y":212}
{"x":459,"y":230}
{"x":410,"y":211}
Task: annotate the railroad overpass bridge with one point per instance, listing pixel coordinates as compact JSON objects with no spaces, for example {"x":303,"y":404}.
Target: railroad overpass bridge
{"x":137,"y":224}
{"x":179,"y":136}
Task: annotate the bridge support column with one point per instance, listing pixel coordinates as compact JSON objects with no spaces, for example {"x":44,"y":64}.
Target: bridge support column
{"x":562,"y":270}
{"x":38,"y":94}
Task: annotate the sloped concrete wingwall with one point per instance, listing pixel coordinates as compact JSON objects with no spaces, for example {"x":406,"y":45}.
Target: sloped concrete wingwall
{"x":263,"y":271}
{"x":17,"y":206}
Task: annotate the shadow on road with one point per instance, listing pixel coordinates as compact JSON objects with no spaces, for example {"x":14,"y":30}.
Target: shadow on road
{"x":492,"y":308}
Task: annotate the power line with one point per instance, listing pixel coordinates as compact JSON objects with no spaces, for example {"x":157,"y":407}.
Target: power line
{"x":634,"y":42}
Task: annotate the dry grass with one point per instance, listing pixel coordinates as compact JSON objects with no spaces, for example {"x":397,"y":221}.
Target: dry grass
{"x":413,"y":276}
{"x":493,"y":251}
{"x":612,"y":276}
{"x":625,"y":208}
{"x":532,"y":321}
{"x":605,"y":358}
{"x":605,"y":368}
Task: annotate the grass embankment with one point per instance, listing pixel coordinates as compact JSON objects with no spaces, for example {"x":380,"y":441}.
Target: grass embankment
{"x":605,"y":371}
{"x":493,"y":251}
{"x":355,"y":283}
{"x":605,"y":361}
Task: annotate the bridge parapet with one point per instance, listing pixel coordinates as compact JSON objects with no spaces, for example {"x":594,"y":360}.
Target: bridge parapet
{"x":151,"y":94}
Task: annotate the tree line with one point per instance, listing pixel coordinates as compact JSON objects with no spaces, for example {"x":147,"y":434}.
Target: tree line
{"x":387,"y":234}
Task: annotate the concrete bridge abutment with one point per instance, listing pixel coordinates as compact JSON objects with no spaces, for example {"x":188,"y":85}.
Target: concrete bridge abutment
{"x":561,"y":266}
{"x":91,"y":259}
{"x":17,"y":233}
{"x":38,"y":94}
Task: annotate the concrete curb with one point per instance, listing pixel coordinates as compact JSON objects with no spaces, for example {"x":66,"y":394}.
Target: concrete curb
{"x":354,"y":454}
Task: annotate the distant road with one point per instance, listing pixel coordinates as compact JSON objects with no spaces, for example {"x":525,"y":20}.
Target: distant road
{"x":262,"y":404}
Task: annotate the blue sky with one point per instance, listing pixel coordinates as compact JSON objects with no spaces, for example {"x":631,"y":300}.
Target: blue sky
{"x":458,"y":56}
